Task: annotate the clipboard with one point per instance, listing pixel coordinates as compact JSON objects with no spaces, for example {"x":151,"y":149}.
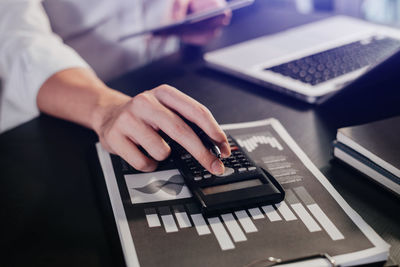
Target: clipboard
{"x":192,"y":18}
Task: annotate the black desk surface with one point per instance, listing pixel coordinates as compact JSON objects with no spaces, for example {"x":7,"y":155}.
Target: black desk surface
{"x":54,"y":213}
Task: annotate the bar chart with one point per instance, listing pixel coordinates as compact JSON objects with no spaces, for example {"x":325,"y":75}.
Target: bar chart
{"x":252,"y":141}
{"x":231,"y":228}
{"x":276,"y":162}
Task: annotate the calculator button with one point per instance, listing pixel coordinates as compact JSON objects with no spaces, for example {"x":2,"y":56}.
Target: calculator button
{"x":198,"y":178}
{"x":228,"y":171}
{"x":242,"y":169}
{"x":206,"y":176}
{"x":186,"y":156}
{"x":252,"y":168}
{"x":191,"y":165}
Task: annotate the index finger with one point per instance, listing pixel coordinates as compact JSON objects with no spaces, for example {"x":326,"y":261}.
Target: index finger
{"x":192,"y":110}
{"x":174,"y":127}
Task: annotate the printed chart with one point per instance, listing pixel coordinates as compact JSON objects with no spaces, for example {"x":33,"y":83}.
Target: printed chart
{"x":230,"y":228}
{"x":277,"y":163}
{"x":166,"y":224}
{"x":252,"y":141}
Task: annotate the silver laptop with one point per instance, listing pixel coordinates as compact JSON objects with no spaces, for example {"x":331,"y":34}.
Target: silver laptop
{"x":311,"y":61}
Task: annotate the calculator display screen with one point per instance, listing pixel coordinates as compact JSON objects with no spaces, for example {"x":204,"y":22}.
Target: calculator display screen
{"x":232,"y":186}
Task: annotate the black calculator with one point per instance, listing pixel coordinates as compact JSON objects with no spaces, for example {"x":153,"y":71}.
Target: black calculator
{"x":243,"y":183}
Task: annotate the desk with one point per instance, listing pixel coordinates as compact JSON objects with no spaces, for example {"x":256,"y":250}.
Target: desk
{"x":52,"y":208}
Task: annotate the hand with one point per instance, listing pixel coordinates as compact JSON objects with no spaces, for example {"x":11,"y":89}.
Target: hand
{"x":128,"y":123}
{"x":202,"y":32}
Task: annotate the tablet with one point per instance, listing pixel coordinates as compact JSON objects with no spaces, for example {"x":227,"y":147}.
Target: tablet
{"x":193,"y":18}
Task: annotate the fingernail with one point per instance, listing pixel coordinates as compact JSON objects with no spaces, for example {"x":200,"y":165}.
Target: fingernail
{"x":226,"y":149}
{"x":217,"y":167}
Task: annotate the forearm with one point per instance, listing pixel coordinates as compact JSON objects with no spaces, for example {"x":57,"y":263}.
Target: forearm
{"x":123,"y":123}
{"x":77,"y":95}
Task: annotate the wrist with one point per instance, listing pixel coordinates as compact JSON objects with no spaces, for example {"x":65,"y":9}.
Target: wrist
{"x":109,"y":102}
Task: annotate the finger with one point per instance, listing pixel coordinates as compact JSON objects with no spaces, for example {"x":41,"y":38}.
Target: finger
{"x":147,"y":137}
{"x":198,"y":35}
{"x":227,"y":17}
{"x":202,"y":5}
{"x":211,"y":23}
{"x":195,"y":112}
{"x":171,"y":124}
{"x":125,"y":148}
{"x":199,"y":38}
{"x":202,"y":27}
{"x":185,"y":136}
{"x":106,"y":146}
{"x":180,"y":9}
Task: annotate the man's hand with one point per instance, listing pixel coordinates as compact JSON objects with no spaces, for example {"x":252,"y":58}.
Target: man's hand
{"x":124,"y":124}
{"x":135,"y":122}
{"x":202,"y":32}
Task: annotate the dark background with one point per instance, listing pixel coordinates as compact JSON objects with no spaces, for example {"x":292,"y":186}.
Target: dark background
{"x":55,"y":210}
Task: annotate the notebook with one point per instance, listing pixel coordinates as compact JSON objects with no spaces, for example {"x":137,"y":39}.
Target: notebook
{"x":374,"y":150}
{"x":159,"y":224}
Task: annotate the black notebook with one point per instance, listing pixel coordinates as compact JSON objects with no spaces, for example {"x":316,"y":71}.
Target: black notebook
{"x":374,"y":150}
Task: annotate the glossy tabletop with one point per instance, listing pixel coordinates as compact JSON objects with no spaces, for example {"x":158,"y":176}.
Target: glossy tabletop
{"x":55,"y":210}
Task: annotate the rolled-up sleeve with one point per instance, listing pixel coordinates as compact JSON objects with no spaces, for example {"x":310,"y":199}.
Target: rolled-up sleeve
{"x":29,"y":54}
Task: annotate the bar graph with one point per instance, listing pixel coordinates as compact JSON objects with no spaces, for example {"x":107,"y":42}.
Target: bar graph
{"x":181,"y":216}
{"x":318,"y":213}
{"x":245,"y":221}
{"x":275,"y":161}
{"x":167,"y":220}
{"x":271,"y":213}
{"x":198,"y":219}
{"x":252,"y":141}
{"x":220,"y":233}
{"x":233,"y":227}
{"x":230,"y":229}
{"x":301,"y":212}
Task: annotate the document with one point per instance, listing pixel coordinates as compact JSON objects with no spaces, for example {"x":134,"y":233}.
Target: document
{"x":160,"y":224}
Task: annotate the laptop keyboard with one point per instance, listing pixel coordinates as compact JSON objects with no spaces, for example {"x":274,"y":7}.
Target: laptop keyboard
{"x":332,"y":63}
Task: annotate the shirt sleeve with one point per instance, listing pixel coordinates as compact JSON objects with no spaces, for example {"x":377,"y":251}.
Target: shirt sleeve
{"x":29,"y":54}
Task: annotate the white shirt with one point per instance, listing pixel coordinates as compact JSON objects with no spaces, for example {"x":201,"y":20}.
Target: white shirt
{"x":39,"y":38}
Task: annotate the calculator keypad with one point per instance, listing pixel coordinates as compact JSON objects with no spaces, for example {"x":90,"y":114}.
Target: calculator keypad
{"x":235,"y":164}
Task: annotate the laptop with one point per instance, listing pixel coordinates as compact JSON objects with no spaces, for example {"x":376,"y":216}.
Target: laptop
{"x":310,"y":62}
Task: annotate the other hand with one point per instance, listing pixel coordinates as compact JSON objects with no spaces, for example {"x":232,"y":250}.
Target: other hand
{"x":201,"y":32}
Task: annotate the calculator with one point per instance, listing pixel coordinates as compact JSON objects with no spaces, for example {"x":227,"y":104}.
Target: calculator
{"x":242,"y":185}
